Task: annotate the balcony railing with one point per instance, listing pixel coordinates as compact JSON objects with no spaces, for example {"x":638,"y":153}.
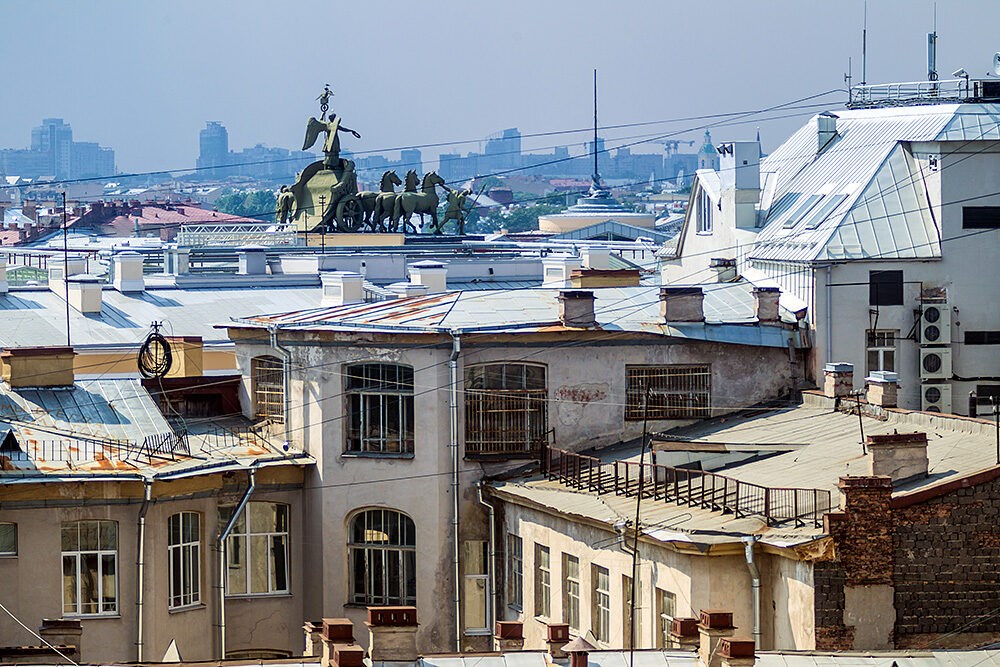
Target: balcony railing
{"x":694,"y":488}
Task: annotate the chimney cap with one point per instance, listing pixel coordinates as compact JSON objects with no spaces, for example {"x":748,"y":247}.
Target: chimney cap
{"x":736,"y":647}
{"x":768,"y":290}
{"x":883,"y":377}
{"x":575,"y":294}
{"x":839,"y":367}
{"x":716,"y":619}
{"x":427,"y":264}
{"x":579,"y":645}
{"x":680,"y":291}
{"x":897,"y":439}
{"x":83,"y":278}
{"x":722,"y":261}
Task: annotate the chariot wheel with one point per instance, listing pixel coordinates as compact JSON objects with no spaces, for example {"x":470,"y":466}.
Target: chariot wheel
{"x":350,"y":214}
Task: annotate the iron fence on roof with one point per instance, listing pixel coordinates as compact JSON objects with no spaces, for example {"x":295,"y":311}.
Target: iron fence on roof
{"x":161,"y":445}
{"x":694,"y":488}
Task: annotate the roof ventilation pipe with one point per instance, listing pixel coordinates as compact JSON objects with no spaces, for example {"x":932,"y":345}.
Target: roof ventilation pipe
{"x":725,"y":269}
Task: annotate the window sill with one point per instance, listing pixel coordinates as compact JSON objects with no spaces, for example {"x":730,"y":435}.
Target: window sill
{"x":377,"y":455}
{"x":190,"y":607}
{"x":482,"y":632}
{"x":362,"y":605}
{"x":256,"y":596}
{"x":708,"y":233}
{"x":93,"y":617}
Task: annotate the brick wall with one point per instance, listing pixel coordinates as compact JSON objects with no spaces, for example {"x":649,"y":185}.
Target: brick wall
{"x":831,"y":633}
{"x":947,"y":571}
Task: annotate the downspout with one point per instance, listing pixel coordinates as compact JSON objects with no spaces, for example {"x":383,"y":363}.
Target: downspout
{"x":140,"y":566}
{"x":456,"y":349}
{"x":748,"y":542}
{"x":829,"y":314}
{"x":492,"y":614}
{"x":286,"y":368}
{"x":223,"y":536}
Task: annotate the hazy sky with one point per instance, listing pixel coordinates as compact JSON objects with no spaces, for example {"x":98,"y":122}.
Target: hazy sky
{"x":143,"y":77}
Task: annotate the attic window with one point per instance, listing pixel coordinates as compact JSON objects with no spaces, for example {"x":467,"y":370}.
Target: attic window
{"x":824,"y":211}
{"x":804,"y":208}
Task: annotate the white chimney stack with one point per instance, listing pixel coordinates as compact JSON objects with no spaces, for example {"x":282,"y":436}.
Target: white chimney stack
{"x":341,"y":288}
{"x":558,"y":269}
{"x":826,"y":130}
{"x":596,"y":258}
{"x":253,"y":261}
{"x":128,"y":272}
{"x":85,"y":293}
{"x":431,"y":274}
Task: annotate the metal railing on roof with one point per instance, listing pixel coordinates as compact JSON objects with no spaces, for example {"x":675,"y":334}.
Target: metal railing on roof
{"x":909,"y":93}
{"x":161,"y":446}
{"x":694,"y":488}
{"x":237,"y":234}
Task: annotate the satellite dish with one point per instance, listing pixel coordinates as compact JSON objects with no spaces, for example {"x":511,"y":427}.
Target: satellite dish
{"x":996,"y":63}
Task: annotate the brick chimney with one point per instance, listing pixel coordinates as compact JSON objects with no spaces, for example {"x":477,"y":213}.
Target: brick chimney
{"x":725,"y":269}
{"x":188,"y":356}
{"x":392,"y":634}
{"x":766,"y":303}
{"x":713,"y":625}
{"x":899,"y":456}
{"x":736,"y":652}
{"x":337,"y":634}
{"x":63,"y":632}
{"x":682,"y":304}
{"x":510,"y":635}
{"x":556,"y":637}
{"x":579,"y":651}
{"x":576,"y":308}
{"x":838,"y":379}
{"x":684,"y":633}
{"x":882,"y":388}
{"x":25,"y":367}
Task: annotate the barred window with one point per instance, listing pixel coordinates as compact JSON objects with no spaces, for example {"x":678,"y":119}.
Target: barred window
{"x":506,"y":409}
{"x":379,"y":409}
{"x":383,"y":558}
{"x":668,"y":392}
{"x":267,"y":377}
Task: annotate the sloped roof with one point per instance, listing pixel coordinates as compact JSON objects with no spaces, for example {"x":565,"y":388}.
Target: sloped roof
{"x":862,"y":196}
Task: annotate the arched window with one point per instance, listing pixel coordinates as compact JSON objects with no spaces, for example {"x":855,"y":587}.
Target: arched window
{"x":506,"y":409}
{"x":383,"y":558}
{"x":379,"y":409}
{"x":268,"y":388}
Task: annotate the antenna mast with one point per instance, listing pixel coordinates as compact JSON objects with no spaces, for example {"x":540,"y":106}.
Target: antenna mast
{"x":864,"y":48}
{"x":595,"y":125}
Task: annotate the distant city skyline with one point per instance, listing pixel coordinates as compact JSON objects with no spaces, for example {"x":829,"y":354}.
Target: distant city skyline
{"x":459,"y":73}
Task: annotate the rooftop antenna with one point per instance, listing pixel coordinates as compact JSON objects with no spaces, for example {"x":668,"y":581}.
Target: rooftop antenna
{"x":848,"y":76}
{"x":932,"y":74}
{"x":864,"y":47}
{"x":597,"y":178}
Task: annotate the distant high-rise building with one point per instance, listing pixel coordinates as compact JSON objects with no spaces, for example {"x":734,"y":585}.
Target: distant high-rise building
{"x":54,"y":153}
{"x":213,"y":153}
{"x":54,"y":137}
{"x":411,"y":159}
{"x":504,"y":151}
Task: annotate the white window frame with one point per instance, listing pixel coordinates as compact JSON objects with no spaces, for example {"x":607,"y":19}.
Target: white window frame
{"x":515,"y":572}
{"x":571,"y":591}
{"x":704,"y":212}
{"x":601,"y":607}
{"x":543,"y":581}
{"x":477,"y":584}
{"x":878,"y":342}
{"x":184,"y":579}
{"x":11,"y":528}
{"x":76,"y":556}
{"x":239,"y":548}
{"x":664,"y":616}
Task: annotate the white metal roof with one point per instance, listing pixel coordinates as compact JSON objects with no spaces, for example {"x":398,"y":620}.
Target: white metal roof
{"x":862,"y":196}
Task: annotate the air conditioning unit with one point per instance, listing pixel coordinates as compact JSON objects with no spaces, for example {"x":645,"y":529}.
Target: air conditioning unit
{"x":935,"y":324}
{"x":935,"y":363}
{"x":935,"y":398}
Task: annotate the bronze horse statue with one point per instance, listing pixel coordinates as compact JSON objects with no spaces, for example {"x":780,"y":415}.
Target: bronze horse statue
{"x":422,"y":203}
{"x":369,"y":200}
{"x":385,"y":202}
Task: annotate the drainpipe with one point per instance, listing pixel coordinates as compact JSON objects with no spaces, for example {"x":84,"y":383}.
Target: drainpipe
{"x":251,"y":485}
{"x":140,"y":566}
{"x":829,"y":314}
{"x":493,"y":560}
{"x":286,"y":368}
{"x":748,"y":542}
{"x":456,"y":349}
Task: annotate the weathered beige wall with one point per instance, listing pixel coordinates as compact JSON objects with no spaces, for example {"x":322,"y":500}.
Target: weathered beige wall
{"x":30,"y":584}
{"x":788,"y":618}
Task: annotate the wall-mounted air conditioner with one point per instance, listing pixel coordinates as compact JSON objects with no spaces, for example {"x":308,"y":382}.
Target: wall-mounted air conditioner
{"x":935,"y":363}
{"x":935,"y":324}
{"x":935,"y":398}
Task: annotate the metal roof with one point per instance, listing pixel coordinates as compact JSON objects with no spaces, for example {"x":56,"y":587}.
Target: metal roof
{"x":614,"y":228}
{"x":729,"y":309}
{"x":38,"y":317}
{"x":862,"y":196}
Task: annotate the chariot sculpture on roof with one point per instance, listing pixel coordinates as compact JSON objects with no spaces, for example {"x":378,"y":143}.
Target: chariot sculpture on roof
{"x":325,"y":194}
